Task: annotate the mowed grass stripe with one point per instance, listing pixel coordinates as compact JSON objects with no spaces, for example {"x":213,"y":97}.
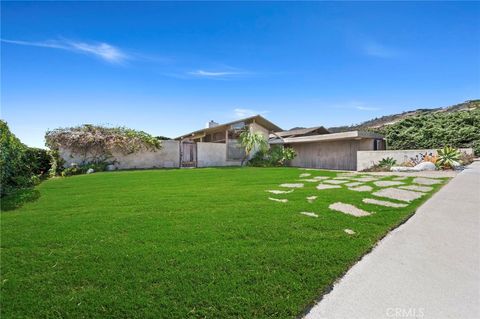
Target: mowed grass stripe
{"x":181,"y":244}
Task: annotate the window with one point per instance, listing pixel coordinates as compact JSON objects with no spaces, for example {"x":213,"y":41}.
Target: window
{"x":235,"y":151}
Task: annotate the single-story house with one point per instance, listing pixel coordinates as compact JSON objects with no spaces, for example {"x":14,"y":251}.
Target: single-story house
{"x":316,"y":147}
{"x":218,"y":145}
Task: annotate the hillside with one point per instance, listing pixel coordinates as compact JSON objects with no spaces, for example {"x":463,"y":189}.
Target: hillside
{"x":379,"y":123}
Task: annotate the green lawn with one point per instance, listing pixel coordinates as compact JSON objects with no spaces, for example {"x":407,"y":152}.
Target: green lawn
{"x":202,"y":243}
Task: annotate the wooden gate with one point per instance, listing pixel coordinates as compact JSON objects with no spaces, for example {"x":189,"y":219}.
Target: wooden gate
{"x":188,"y":154}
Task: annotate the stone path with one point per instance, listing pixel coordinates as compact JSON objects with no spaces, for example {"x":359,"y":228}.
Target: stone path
{"x":398,"y":194}
{"x":349,"y":209}
{"x":427,"y":268}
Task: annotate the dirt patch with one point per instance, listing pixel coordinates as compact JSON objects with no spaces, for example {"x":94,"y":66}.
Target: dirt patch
{"x":398,"y":194}
{"x":387,"y":183}
{"x":325,"y":186}
{"x":281,"y":200}
{"x":364,"y":188}
{"x":349,"y":209}
{"x":383,"y":203}
{"x":292,"y":185}
{"x":310,"y":214}
{"x":423,"y":189}
{"x":274,"y":191}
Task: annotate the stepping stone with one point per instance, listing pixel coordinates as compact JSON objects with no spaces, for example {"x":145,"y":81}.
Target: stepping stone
{"x":387,"y":183}
{"x":426,"y":181}
{"x":274,"y":191}
{"x":349,"y":231}
{"x":350,"y":174}
{"x":335,"y":181}
{"x":311,"y":198}
{"x":309,"y":214}
{"x":400,"y":178}
{"x":382,"y":203}
{"x":305,"y":175}
{"x":342,"y":177}
{"x":325,"y":186}
{"x":348,"y":209}
{"x":398,"y":194}
{"x":364,"y":188}
{"x":283,"y":200}
{"x":310,"y":180}
{"x":424,"y":189}
{"x":292,"y":185}
{"x":366,"y":179}
{"x":354,"y":184}
{"x":319,"y":178}
{"x":311,"y":169}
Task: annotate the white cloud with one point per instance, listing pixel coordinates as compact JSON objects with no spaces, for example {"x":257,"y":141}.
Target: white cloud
{"x":216,"y":74}
{"x":104,"y":51}
{"x":367,"y":108}
{"x":375,"y":49}
{"x":242,"y":113}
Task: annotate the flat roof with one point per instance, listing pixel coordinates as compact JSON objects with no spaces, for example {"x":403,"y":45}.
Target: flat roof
{"x":351,"y":135}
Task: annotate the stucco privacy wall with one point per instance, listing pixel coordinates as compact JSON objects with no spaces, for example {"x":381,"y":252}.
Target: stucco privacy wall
{"x":213,"y":154}
{"x":366,"y":159}
{"x":168,"y":156}
{"x":330,"y":155}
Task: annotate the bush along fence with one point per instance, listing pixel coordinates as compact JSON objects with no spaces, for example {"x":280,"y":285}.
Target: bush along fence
{"x":93,"y":147}
{"x":21,"y":166}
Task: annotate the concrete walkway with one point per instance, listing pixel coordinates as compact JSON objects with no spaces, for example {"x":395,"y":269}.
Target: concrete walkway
{"x":427,"y":268}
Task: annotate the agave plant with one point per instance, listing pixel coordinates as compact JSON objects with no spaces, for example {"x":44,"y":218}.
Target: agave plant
{"x":387,"y":162}
{"x":448,"y":157}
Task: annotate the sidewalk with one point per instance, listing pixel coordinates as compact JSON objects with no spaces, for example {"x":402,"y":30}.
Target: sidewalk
{"x":427,"y":268}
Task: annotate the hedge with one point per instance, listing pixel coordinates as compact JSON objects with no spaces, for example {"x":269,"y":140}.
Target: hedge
{"x":20,"y":165}
{"x":460,"y":129}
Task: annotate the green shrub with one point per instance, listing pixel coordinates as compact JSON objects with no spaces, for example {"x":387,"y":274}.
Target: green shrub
{"x":387,"y":162}
{"x":459,"y":129}
{"x":275,"y":156}
{"x":56,"y":163}
{"x":39,"y":161}
{"x":15,"y":171}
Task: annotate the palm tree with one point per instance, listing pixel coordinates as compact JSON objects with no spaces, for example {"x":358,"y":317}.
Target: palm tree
{"x":252,"y":140}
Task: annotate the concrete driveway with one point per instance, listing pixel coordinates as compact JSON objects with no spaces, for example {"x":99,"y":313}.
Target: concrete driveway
{"x":427,"y":268}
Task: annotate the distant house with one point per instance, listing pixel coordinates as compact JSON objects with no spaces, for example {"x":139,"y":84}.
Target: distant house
{"x":218,"y":144}
{"x":316,"y":147}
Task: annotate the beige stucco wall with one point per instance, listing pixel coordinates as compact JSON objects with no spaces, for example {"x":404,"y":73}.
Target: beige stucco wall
{"x":213,"y":154}
{"x":254,"y":127}
{"x":166,"y":157}
{"x":341,"y":154}
{"x":366,"y":159}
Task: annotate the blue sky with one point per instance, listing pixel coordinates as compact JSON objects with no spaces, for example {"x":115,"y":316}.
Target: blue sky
{"x":168,"y":68}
